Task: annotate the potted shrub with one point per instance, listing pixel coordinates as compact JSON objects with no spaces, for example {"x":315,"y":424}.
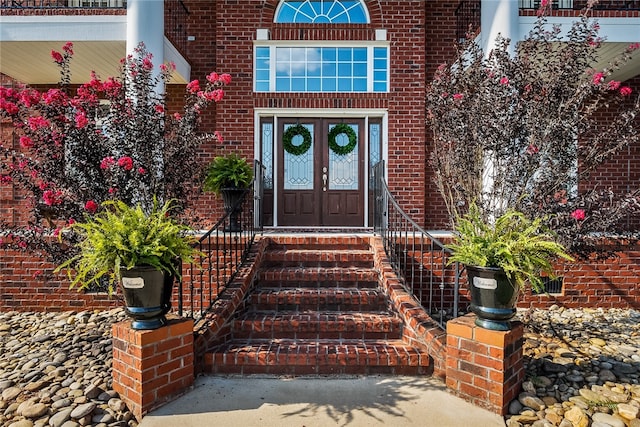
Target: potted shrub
{"x":229,"y":176}
{"x":141,"y":251}
{"x":502,"y":258}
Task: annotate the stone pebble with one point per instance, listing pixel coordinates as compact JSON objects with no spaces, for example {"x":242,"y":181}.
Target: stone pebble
{"x":582,"y":369}
{"x":55,"y":370}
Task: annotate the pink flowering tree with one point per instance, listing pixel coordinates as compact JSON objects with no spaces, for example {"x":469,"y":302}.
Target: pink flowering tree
{"x":108,"y":139}
{"x":526,"y":130}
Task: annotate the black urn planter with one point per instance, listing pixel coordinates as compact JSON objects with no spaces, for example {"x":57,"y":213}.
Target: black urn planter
{"x":147,"y":294}
{"x":231,"y":197}
{"x":493,"y":297}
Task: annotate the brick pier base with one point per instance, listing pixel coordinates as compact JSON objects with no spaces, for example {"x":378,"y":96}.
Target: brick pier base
{"x":152,"y":367}
{"x":484,"y":367}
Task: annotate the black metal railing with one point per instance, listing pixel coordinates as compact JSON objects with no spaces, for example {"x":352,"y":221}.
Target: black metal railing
{"x":175,"y":23}
{"x":581,"y":4}
{"x":467,"y":18}
{"x":419,"y":259}
{"x":75,"y":4}
{"x":224,"y":249}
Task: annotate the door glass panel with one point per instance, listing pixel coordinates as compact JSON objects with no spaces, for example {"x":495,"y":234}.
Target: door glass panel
{"x":343,"y":168}
{"x":267,"y":154}
{"x":298,"y":170}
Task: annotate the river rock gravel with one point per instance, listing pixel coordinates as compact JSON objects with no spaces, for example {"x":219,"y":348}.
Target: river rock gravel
{"x":582,"y":369}
{"x":55,"y":370}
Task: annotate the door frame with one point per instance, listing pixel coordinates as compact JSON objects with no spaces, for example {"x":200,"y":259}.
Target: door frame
{"x":365,"y":114}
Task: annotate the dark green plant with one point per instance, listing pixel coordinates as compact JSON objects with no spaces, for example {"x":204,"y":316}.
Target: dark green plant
{"x":230,"y":170}
{"x":121,"y":236}
{"x":522,"y":247}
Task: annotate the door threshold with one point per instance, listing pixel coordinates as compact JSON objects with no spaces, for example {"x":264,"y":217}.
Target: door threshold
{"x":317,"y":230}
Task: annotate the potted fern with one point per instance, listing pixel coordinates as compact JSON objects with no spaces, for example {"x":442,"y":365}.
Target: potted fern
{"x":141,"y":251}
{"x":502,"y":258}
{"x":229,"y":176}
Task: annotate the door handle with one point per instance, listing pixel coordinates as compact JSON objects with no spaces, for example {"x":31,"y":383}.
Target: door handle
{"x":324,"y":182}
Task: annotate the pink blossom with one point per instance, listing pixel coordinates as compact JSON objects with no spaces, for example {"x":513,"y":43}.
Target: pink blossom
{"x":52,"y":198}
{"x":54,"y":96}
{"x":532,"y":149}
{"x":9,"y":107}
{"x":177,"y":116}
{"x":22,"y":244}
{"x":107,"y":162}
{"x":30,"y":97}
{"x":625,"y":91}
{"x":112,"y":190}
{"x":42,"y":185}
{"x":5,"y":179}
{"x":142,"y":170}
{"x":146,"y":63}
{"x":111,"y":87}
{"x":218,"y":136}
{"x":213,"y":77}
{"x":225,"y":78}
{"x":458,"y":96}
{"x":578,"y":215}
{"x":613,"y":85}
{"x":598,"y":78}
{"x":37,"y":273}
{"x":71,"y":221}
{"x":125,"y":163}
{"x":193,"y":86}
{"x":38,"y":122}
{"x":26,"y":142}
{"x":217,"y":95}
{"x":91,"y":206}
{"x":633,"y":46}
{"x":81,"y":120}
{"x":68,"y":47}
{"x":57,"y":57}
{"x":159,"y":109}
{"x":56,"y":232}
{"x":504,"y":81}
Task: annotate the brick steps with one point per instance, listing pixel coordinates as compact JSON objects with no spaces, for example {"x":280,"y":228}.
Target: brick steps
{"x":305,"y":357}
{"x":317,"y":325}
{"x":306,"y":299}
{"x":316,"y":308}
{"x":313,"y":258}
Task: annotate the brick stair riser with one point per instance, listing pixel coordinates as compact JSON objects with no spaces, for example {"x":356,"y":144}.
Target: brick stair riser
{"x":315,"y":258}
{"x":318,"y":327}
{"x":314,"y":276}
{"x":333,"y":300}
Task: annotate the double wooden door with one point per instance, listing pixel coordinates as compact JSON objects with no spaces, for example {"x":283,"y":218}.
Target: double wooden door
{"x":322,"y":185}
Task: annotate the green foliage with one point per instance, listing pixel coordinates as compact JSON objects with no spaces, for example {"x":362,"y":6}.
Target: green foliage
{"x":523,"y":248}
{"x":228,"y":171}
{"x":121,"y":236}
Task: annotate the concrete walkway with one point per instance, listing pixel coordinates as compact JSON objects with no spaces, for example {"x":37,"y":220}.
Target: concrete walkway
{"x":319,"y":402}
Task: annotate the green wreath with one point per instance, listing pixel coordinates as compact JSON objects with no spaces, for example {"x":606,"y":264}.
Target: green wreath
{"x":290,"y":133}
{"x":347,"y":130}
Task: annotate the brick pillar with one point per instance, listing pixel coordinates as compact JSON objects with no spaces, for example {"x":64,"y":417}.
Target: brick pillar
{"x":484,"y":367}
{"x":152,"y":367}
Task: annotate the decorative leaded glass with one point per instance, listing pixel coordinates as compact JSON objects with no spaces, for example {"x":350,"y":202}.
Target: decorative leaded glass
{"x":343,"y":168}
{"x":298,"y":170}
{"x":322,"y":12}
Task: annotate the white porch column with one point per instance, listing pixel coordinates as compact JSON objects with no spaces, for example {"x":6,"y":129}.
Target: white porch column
{"x":498,"y":17}
{"x":145,"y":23}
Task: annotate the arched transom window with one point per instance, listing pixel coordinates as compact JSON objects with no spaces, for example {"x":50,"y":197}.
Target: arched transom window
{"x":322,"y":12}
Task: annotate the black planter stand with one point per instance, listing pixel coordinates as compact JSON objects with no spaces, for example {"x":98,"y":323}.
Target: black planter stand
{"x":147,"y":294}
{"x":493,"y":297}
{"x":231,"y":197}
